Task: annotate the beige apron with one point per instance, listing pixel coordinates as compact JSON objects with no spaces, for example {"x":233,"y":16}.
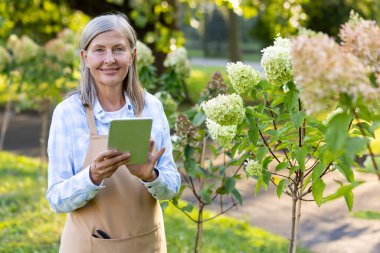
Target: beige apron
{"x":124,"y":209}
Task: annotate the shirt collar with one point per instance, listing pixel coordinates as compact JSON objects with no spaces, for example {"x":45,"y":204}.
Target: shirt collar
{"x":99,"y":111}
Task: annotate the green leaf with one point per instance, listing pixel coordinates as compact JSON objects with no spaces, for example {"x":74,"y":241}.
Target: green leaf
{"x":234,"y":148}
{"x":267,"y":160}
{"x":300,"y":155}
{"x":271,"y":132}
{"x":281,"y":166}
{"x":306,"y":182}
{"x":318,"y":171}
{"x":206,"y":196}
{"x":293,"y":169}
{"x":188,"y":208}
{"x":337,"y":130}
{"x":297,"y":118}
{"x":199,"y":118}
{"x":349,"y":198}
{"x":214,"y":150}
{"x":318,"y":187}
{"x":253,"y":134}
{"x":355,"y":145}
{"x":243,"y":145}
{"x":190,"y":167}
{"x":283,"y":116}
{"x":260,"y":107}
{"x":291,"y":99}
{"x":257,"y":187}
{"x":237,"y":196}
{"x":278,"y":100}
{"x":229,"y":184}
{"x":261,"y":153}
{"x":280,"y":187}
{"x":345,"y":167}
{"x":343,"y":191}
{"x":266,"y":176}
{"x":366,"y":128}
{"x":249,"y":116}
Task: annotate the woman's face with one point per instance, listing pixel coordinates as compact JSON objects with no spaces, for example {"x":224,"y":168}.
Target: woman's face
{"x":108,"y":56}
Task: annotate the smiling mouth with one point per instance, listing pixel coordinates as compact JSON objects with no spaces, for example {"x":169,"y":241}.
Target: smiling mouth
{"x":110,"y":70}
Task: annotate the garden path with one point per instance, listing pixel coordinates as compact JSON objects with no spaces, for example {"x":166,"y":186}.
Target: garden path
{"x":326,"y":229}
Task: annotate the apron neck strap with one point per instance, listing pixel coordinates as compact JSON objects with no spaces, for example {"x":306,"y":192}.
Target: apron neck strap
{"x":90,"y":120}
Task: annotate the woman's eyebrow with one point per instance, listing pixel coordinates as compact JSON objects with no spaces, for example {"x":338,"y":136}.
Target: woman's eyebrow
{"x":119,"y":45}
{"x":98,"y":45}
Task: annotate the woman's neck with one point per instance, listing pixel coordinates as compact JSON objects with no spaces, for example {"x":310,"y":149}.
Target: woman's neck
{"x":111,"y":99}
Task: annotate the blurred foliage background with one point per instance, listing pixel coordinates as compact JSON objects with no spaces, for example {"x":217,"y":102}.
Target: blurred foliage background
{"x":220,"y":28}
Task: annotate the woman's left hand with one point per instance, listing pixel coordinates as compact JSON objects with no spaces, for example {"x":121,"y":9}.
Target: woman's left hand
{"x":145,"y":171}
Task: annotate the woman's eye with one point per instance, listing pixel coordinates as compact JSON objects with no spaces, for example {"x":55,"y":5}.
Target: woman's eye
{"x":99,"y":50}
{"x":119,"y":50}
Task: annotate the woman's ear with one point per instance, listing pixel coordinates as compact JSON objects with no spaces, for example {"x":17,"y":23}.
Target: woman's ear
{"x":83,"y":55}
{"x":133,"y":55}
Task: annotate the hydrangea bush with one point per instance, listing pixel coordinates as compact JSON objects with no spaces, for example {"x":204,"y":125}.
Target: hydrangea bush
{"x":173,"y":80}
{"x":284,"y":138}
{"x":204,"y":169}
{"x":146,"y":69}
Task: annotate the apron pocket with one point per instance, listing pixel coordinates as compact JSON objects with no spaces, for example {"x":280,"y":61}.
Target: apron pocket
{"x":148,"y":242}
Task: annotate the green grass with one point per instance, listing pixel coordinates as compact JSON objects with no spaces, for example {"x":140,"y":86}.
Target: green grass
{"x":199,"y":78}
{"x":28,"y":225}
{"x":369,"y":215}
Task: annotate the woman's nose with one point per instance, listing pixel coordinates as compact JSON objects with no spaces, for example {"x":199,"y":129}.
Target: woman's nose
{"x":109,"y":57}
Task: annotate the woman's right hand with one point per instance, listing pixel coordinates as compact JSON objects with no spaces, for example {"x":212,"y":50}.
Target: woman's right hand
{"x":106,"y":163}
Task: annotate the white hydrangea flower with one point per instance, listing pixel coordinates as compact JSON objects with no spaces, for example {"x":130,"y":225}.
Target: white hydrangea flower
{"x":253,"y":168}
{"x":243,"y":77}
{"x":225,"y":109}
{"x":178,"y":60}
{"x":23,"y":49}
{"x":276,"y":62}
{"x":282,"y":42}
{"x":62,"y":50}
{"x":144,"y":55}
{"x":5,"y":58}
{"x":223,"y":135}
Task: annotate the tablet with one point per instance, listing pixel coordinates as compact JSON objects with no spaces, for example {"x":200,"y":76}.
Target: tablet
{"x":131,"y":135}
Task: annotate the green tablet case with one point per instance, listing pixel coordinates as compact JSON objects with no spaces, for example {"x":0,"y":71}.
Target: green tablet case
{"x":131,"y":135}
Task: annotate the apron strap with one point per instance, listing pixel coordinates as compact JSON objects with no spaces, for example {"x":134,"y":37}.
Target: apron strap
{"x":91,"y":120}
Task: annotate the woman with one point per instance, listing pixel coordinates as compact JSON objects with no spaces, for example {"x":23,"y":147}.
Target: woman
{"x":112,"y":205}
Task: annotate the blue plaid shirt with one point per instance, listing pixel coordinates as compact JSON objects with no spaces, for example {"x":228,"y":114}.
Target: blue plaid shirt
{"x":69,"y":187}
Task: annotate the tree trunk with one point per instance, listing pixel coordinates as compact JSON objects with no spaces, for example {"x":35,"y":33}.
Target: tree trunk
{"x":293,"y":232}
{"x":199,"y":235}
{"x":6,"y":117}
{"x":233,"y":37}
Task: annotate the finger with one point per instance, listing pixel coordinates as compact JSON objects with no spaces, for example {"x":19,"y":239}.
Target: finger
{"x":158,"y":154}
{"x":108,"y":171}
{"x":107,"y":154}
{"x":116,"y":159}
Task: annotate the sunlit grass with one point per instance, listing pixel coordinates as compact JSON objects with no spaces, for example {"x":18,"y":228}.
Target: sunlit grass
{"x":199,"y":78}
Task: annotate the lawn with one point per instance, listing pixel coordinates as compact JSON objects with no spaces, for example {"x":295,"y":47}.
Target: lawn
{"x":28,"y":225}
{"x":199,"y":78}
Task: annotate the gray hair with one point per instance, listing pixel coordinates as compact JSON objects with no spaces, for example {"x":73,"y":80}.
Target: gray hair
{"x":131,"y":83}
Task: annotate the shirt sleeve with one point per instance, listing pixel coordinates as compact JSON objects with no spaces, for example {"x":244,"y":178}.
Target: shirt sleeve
{"x":69,"y":188}
{"x":168,"y":182}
